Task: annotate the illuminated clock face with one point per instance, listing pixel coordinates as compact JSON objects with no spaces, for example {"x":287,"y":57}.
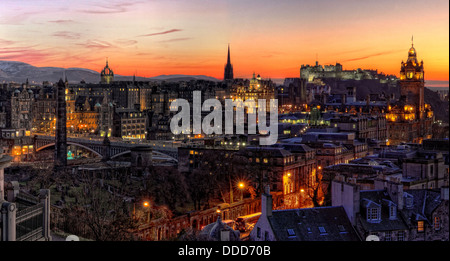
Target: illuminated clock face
{"x":409,"y":75}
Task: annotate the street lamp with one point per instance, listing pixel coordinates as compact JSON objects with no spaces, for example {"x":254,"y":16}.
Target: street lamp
{"x":218,"y":212}
{"x":146,"y":204}
{"x":241,"y":186}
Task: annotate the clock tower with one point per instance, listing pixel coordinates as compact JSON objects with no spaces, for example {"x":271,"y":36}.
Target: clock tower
{"x":412,"y":82}
{"x":409,"y":119}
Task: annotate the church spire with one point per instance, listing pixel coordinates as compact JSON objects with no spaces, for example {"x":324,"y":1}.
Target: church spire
{"x":228,"y":59}
{"x":228,"y":74}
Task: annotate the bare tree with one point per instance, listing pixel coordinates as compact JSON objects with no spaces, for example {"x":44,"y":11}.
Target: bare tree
{"x":259,"y":171}
{"x":104,"y":212}
{"x":201,"y":187}
{"x":166,"y":186}
{"x":315,"y":188}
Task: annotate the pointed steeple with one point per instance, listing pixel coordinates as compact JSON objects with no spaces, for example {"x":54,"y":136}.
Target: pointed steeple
{"x":228,"y":58}
{"x":228,"y":74}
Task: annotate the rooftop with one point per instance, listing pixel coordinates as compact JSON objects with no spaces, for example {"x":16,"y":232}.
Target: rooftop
{"x":312,"y":224}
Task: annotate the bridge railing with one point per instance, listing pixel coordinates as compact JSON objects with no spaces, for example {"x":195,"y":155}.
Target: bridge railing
{"x":29,"y":223}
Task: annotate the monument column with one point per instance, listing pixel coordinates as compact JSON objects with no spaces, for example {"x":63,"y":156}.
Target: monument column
{"x":61,"y":128}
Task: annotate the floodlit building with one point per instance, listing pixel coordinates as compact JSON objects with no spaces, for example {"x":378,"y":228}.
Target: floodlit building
{"x":410,"y":118}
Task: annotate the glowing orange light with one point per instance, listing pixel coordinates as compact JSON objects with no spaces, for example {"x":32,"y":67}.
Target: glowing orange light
{"x":146,"y":204}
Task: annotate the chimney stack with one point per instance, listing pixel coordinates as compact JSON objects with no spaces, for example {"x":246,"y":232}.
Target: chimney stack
{"x":266,"y":202}
{"x":444,"y":193}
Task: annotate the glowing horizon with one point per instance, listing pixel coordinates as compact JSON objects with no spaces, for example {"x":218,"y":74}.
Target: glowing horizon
{"x":272,"y":38}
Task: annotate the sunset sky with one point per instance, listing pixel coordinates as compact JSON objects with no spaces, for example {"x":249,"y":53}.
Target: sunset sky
{"x":272,"y":38}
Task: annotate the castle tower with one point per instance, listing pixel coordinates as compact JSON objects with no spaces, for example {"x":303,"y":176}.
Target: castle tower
{"x":412,"y":82}
{"x":106,"y":75}
{"x":228,"y":75}
{"x":61,"y":131}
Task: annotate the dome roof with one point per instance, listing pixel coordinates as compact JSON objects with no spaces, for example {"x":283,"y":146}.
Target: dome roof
{"x":412,"y":51}
{"x":212,"y":231}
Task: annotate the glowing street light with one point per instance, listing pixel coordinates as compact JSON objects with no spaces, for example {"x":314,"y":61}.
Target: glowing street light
{"x":241,"y":186}
{"x":146,"y":204}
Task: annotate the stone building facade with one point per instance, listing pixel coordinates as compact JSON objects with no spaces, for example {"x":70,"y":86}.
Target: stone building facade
{"x":410,"y":119}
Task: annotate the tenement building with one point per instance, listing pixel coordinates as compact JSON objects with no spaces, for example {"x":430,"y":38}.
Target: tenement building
{"x":393,"y":213}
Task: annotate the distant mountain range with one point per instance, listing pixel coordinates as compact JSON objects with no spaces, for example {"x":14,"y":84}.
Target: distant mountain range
{"x":20,"y":72}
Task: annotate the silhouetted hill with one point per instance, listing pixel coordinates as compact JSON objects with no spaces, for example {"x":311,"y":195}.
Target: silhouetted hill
{"x":20,"y":72}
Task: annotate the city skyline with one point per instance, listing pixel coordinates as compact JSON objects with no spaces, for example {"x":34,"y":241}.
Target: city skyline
{"x":179,"y":37}
{"x":235,"y":121}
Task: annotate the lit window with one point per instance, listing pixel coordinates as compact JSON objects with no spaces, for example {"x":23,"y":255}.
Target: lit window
{"x":437,"y":223}
{"x":420,"y":227}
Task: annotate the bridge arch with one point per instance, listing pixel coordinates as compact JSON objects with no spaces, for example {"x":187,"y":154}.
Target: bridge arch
{"x":164,"y":154}
{"x":155,"y":152}
{"x":120,"y":154}
{"x":69,"y":143}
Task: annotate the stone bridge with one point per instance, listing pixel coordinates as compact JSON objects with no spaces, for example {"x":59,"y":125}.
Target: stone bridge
{"x":111,"y":149}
